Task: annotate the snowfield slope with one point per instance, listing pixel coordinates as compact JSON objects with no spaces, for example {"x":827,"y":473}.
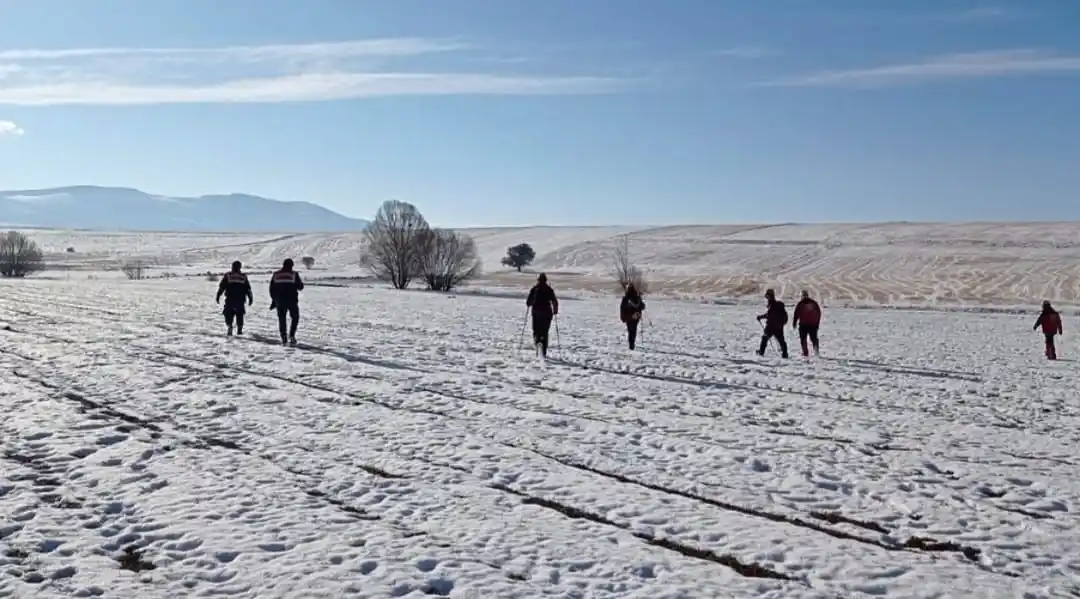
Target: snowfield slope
{"x":408,"y":448}
{"x":878,"y":264}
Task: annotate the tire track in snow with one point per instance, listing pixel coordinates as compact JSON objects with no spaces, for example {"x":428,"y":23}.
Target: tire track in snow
{"x":914,"y":543}
{"x":787,"y":432}
{"x":205,"y":442}
{"x":564,"y":509}
{"x":339,"y":392}
{"x":878,"y":446}
{"x":369,"y":398}
{"x":746,"y":386}
{"x":194,"y":441}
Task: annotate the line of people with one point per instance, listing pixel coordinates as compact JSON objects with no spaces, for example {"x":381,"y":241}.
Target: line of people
{"x":807,"y":318}
{"x":286,"y":285}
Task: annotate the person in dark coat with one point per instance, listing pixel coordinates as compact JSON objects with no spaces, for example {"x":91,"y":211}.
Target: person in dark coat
{"x":630,"y":311}
{"x":807,"y":318}
{"x":236,"y":288}
{"x":545,"y":306}
{"x":285,"y":288}
{"x":1050,"y":321}
{"x":775,"y":318}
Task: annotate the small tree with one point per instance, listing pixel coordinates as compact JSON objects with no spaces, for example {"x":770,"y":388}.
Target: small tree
{"x":134,"y":271}
{"x":393,"y":248}
{"x":449,"y":259}
{"x":71,"y":250}
{"x":519,"y":256}
{"x":624,"y":270}
{"x":308,"y":261}
{"x":19,"y":255}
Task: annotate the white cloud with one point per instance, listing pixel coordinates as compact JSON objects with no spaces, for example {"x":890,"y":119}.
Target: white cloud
{"x":265,"y":74}
{"x":747,"y":52}
{"x":10,"y":129}
{"x":990,"y":13}
{"x":995,"y":63}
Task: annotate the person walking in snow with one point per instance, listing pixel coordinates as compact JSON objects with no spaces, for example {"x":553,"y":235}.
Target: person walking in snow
{"x":806,"y":319}
{"x":545,"y":307}
{"x":775,"y":318}
{"x":236,"y":288}
{"x":285,"y":288}
{"x":1050,"y":321}
{"x":630,"y":311}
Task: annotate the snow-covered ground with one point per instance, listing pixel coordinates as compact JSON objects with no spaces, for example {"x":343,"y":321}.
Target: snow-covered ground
{"x":408,"y":448}
{"x":877,"y":264}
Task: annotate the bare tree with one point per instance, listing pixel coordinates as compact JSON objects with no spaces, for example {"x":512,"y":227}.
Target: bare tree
{"x":624,"y":270}
{"x":393,"y":243}
{"x":19,"y":255}
{"x":448,"y":259}
{"x":134,"y":271}
{"x":308,"y":261}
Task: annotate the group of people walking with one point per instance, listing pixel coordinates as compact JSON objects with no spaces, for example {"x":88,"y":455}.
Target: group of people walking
{"x":285,"y":288}
{"x":543,"y":304}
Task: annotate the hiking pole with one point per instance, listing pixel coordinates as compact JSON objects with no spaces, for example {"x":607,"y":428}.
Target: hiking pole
{"x":763,"y":332}
{"x":521,"y":336}
{"x":558,"y":338}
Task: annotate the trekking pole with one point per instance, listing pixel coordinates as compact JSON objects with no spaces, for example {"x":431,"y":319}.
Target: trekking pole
{"x":763,"y":332}
{"x":558,"y":339}
{"x":521,"y":335}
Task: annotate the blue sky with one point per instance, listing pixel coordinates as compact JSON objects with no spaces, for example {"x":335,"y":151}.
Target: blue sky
{"x":488,"y":112}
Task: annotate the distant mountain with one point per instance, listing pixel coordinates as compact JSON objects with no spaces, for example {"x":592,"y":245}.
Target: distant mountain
{"x":119,"y":208}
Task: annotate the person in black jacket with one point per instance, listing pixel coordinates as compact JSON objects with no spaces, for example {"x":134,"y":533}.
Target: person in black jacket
{"x":545,"y":306}
{"x":630,"y":310}
{"x":775,"y":318}
{"x":236,"y":288}
{"x":285,"y":288}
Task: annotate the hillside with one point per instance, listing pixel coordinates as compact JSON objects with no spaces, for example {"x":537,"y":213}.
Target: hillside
{"x":118,"y":208}
{"x":875,"y":263}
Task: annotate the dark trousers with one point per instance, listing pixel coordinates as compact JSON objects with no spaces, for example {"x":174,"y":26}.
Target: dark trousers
{"x":1051,"y":351}
{"x":234,"y":313}
{"x":808,"y":330}
{"x":293,"y":312}
{"x":778,"y":334}
{"x":541,"y":326}
{"x":631,"y":331}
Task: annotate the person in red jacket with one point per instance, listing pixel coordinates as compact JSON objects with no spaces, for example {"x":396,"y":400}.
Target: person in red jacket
{"x":807,"y":317}
{"x":1050,"y":321}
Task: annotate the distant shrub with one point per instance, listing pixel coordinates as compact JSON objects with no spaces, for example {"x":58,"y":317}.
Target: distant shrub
{"x":19,"y":255}
{"x":624,"y":270}
{"x":519,"y":256}
{"x":71,"y":250}
{"x":134,"y":271}
{"x":308,"y":262}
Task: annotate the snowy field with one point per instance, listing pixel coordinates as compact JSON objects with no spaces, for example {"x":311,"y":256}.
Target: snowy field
{"x":408,"y":448}
{"x":896,"y":264}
